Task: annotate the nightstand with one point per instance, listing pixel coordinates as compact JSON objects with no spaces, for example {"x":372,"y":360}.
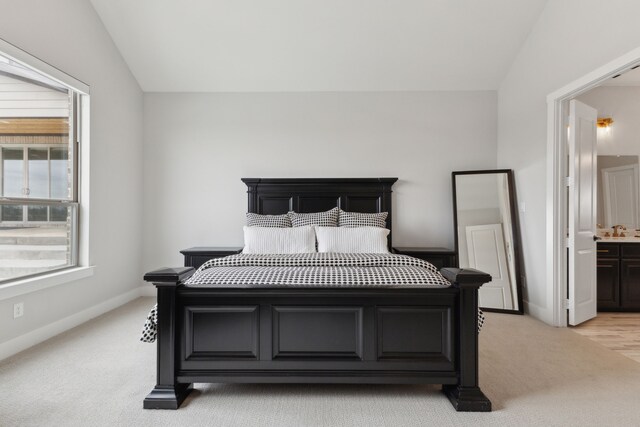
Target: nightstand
{"x":195,"y":257}
{"x":440,"y":257}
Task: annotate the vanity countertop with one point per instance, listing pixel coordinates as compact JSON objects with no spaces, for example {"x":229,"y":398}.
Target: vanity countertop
{"x":629,"y":236}
{"x":626,"y":239}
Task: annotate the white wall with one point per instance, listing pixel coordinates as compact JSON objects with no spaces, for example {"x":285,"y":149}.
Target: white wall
{"x":69,"y":35}
{"x":198,"y":146}
{"x":570,"y":39}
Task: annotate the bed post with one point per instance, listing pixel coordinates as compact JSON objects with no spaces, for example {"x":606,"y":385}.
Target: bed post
{"x":168,"y":392}
{"x":466,"y":395}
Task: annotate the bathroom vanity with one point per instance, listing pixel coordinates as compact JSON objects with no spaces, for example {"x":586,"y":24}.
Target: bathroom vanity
{"x":619,"y":274}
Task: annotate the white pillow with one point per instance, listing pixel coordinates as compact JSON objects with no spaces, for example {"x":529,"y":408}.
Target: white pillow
{"x":369,"y":240}
{"x":270,"y":240}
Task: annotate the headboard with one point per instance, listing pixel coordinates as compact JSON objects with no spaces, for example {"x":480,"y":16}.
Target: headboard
{"x":273,"y":196}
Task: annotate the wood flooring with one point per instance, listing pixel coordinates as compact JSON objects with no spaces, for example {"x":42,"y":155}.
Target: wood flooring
{"x":617,"y":331}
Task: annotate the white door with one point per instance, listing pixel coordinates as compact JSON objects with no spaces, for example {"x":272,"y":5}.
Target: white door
{"x":485,"y":244}
{"x":582,"y":213}
{"x":620,"y":196}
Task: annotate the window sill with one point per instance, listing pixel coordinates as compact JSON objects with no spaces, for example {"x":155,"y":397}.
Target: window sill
{"x":33,"y":284}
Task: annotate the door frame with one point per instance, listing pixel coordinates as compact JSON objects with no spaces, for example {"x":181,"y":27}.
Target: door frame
{"x":557,"y":195}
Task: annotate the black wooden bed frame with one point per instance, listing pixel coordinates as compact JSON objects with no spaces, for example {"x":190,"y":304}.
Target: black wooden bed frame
{"x":318,"y":335}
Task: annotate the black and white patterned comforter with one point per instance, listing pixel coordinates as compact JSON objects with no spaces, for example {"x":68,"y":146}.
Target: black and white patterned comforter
{"x":322,"y":270}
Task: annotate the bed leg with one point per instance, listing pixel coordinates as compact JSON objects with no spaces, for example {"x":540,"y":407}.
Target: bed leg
{"x":466,"y":395}
{"x":167,"y":397}
{"x":168,"y":392}
{"x":465,"y":399}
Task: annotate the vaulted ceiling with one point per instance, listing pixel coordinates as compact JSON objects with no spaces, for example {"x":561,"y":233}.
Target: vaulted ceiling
{"x":318,"y":45}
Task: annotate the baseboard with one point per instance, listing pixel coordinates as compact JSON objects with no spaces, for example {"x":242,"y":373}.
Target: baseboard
{"x":148,"y":290}
{"x":23,"y":342}
{"x":538,"y":312}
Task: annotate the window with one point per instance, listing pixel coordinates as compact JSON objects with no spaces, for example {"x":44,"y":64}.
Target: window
{"x":39,"y":144}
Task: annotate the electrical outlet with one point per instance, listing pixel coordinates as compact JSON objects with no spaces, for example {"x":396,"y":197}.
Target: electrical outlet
{"x":18,"y":310}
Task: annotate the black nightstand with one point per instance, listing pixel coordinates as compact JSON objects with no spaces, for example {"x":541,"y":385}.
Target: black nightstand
{"x":195,"y":257}
{"x":440,"y":257}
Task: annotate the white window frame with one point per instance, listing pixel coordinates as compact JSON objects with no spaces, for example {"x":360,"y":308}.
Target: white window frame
{"x":83,"y":268}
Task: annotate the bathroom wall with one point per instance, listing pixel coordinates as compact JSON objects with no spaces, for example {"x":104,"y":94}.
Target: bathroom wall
{"x":622,"y":103}
{"x":619,"y":144}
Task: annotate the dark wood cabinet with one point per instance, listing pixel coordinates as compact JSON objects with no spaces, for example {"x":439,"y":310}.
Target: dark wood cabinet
{"x":608,"y":250}
{"x":440,"y":257}
{"x":608,"y":283}
{"x":630,"y":284}
{"x":618,"y":276}
{"x":195,"y":257}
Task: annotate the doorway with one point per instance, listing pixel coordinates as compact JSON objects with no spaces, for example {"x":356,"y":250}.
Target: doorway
{"x":559,"y":180}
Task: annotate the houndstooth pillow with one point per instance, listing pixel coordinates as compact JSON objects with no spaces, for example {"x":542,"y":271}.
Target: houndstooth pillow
{"x":323,"y":219}
{"x":257,"y":220}
{"x":359,"y":219}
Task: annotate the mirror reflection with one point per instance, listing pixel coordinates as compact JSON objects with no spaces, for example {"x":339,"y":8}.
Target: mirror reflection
{"x":486,"y":235}
{"x":618,"y":192}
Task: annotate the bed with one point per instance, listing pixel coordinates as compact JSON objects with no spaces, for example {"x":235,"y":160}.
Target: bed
{"x":317,"y":334}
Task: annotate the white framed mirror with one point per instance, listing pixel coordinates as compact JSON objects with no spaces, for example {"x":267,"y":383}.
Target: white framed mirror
{"x":618,"y":192}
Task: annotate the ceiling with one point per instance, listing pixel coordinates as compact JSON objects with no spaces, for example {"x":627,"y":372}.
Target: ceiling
{"x":629,"y":78}
{"x":312,"y":45}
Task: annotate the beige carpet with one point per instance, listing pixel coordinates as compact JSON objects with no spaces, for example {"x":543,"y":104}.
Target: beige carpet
{"x":97,"y":375}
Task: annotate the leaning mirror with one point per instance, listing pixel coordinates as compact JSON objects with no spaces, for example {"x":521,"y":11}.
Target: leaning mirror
{"x":487,"y":235}
{"x":618,"y":195}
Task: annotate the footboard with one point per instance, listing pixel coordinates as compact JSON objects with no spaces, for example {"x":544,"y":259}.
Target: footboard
{"x":319,"y":335}
{"x":311,"y":335}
